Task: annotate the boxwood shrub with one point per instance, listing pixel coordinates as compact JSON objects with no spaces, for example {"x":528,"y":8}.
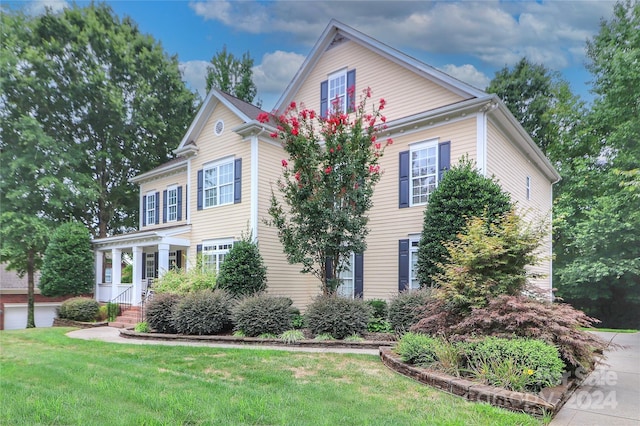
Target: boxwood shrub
{"x":416,"y":348}
{"x":79,"y":309}
{"x":338,"y":316}
{"x":260,"y":314}
{"x":404,"y":309}
{"x":159,"y":312}
{"x":204,"y":312}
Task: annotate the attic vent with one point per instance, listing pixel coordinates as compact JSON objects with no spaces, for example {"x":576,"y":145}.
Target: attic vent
{"x":219,"y":127}
{"x":338,"y":39}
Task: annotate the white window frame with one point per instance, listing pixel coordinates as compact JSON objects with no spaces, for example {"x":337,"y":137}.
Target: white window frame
{"x":347,"y":278}
{"x":172,"y":207}
{"x":214,"y":253}
{"x":173,"y":260}
{"x":151,"y":212}
{"x":528,"y":186}
{"x":337,"y":88}
{"x":418,"y":149}
{"x":414,"y":282}
{"x":212,"y":185}
{"x":150,"y":260}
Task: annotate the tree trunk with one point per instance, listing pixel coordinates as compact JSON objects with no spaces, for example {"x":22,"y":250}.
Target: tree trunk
{"x":31,"y":323}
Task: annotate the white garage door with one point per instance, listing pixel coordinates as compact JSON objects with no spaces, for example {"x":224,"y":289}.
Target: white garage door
{"x":15,"y":315}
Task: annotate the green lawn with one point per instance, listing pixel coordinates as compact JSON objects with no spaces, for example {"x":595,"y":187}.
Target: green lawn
{"x":49,"y":378}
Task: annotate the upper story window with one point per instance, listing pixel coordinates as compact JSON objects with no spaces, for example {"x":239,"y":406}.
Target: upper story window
{"x":214,"y":253}
{"x":338,"y":91}
{"x":218,"y":183}
{"x":172,"y":204}
{"x":151,"y":204}
{"x":424,"y":171}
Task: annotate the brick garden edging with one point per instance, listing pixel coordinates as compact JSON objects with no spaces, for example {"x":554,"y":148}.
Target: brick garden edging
{"x":548,"y":401}
{"x":60,"y":322}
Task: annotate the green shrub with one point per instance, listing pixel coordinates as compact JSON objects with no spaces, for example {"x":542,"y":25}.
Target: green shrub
{"x":417,"y":349}
{"x":338,"y":316}
{"x":379,"y":308}
{"x":324,"y":336}
{"x":113,"y":310}
{"x":292,"y":336}
{"x":514,"y":364}
{"x":378,"y":322}
{"x":259,"y":314}
{"x":204,"y":312}
{"x":405,"y":309}
{"x":159,"y":312}
{"x":243,"y":272}
{"x":102,"y":314}
{"x":142,"y":327}
{"x":184,"y":281}
{"x":297,"y":320}
{"x":67,"y":268}
{"x":79,"y":309}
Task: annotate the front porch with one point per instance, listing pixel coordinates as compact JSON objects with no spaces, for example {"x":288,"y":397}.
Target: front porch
{"x":150,"y":254}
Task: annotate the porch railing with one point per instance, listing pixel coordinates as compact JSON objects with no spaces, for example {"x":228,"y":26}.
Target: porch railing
{"x":120,"y":303}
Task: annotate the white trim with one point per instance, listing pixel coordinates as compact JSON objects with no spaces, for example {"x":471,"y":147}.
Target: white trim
{"x":187,"y":188}
{"x":230,"y":160}
{"x":155,"y":208}
{"x":215,"y":127}
{"x":420,"y":146}
{"x":254,"y":187}
{"x":481,"y":142}
{"x":172,"y":188}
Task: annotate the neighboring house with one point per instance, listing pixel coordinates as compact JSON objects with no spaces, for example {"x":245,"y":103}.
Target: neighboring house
{"x":13,"y":302}
{"x":219,"y":185}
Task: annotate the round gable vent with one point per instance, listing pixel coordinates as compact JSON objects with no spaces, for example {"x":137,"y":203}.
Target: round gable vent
{"x":219,"y":127}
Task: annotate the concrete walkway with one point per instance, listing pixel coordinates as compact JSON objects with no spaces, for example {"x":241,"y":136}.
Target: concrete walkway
{"x":112,"y":335}
{"x":610,"y":395}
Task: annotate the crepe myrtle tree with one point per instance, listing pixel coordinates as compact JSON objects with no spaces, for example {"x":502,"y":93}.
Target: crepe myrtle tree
{"x":326,"y":184}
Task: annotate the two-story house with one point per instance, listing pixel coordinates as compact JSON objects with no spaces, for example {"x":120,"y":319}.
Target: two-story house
{"x":219,"y":185}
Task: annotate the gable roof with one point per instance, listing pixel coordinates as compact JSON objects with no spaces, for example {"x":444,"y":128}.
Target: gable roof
{"x":245,"y":111}
{"x":338,"y":29}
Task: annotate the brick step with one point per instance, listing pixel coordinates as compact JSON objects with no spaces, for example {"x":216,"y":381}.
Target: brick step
{"x":118,"y":324}
{"x":128,"y":319}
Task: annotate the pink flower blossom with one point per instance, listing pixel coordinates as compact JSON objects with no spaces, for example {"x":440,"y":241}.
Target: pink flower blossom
{"x":338,"y":147}
{"x":292,"y":105}
{"x":331,"y":150}
{"x":274,"y":135}
{"x":294,"y":131}
{"x":382,"y":103}
{"x":328,"y":170}
{"x":378,"y":145}
{"x":368,"y":91}
{"x":373,"y":138}
{"x":389,"y":141}
{"x":263,"y":117}
{"x":284,"y":163}
{"x":297,"y":176}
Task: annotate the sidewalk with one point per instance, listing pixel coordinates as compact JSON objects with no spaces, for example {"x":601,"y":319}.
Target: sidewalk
{"x":112,"y":335}
{"x":610,"y":395}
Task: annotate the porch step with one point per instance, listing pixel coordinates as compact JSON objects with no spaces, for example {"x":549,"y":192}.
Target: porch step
{"x":128,"y":319}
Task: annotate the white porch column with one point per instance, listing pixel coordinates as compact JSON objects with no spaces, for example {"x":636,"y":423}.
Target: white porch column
{"x":99,"y":267}
{"x":163,"y":259}
{"x":137,"y":276}
{"x":116,"y":271}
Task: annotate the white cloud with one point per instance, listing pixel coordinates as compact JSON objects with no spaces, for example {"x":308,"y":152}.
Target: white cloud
{"x":39,"y":7}
{"x":194,"y":73}
{"x":469,"y":74}
{"x":276,"y":70}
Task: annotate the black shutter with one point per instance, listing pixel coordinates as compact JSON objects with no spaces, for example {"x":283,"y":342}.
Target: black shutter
{"x":403,"y":265}
{"x":157,"y":208}
{"x":144,"y":265}
{"x":351,"y":91}
{"x":328,"y":266}
{"x":199,"y":248}
{"x":186,"y":201}
{"x":404,"y":180}
{"x":237,"y":181}
{"x":324,"y":98}
{"x":358,"y":274}
{"x":164,"y":206}
{"x":155,"y":261}
{"x":444,"y":158}
{"x":178,"y":258}
{"x":200,"y":189}
{"x":144,"y":211}
{"x":179,"y":208}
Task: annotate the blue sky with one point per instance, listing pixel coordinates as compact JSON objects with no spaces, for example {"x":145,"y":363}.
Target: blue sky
{"x":470,"y":40}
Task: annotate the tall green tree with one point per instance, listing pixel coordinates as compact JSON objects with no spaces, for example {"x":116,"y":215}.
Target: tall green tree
{"x":598,"y":218}
{"x":232,"y":75}
{"x":109,"y":96}
{"x":462,"y":194}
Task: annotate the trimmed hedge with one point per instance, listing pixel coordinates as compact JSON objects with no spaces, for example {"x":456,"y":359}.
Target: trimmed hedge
{"x":338,"y":316}
{"x":79,"y":309}
{"x":159,"y":312}
{"x":405,"y":309}
{"x":204,"y":312}
{"x":260,"y":314}
{"x":418,"y":349}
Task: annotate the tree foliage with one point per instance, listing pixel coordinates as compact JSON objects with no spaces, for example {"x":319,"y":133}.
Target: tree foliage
{"x":107,"y":96}
{"x":462,"y":193}
{"x":243,"y":272}
{"x":326,"y":186}
{"x":67,"y":268}
{"x":232,"y":75}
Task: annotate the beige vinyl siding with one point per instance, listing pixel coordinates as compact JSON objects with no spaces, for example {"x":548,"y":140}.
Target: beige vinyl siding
{"x":159,"y":185}
{"x":283,"y":278}
{"x":406,"y":92}
{"x":226,"y":221}
{"x":511,"y":168}
{"x":387,"y":222}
